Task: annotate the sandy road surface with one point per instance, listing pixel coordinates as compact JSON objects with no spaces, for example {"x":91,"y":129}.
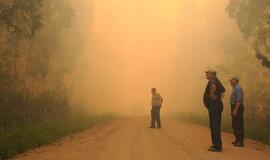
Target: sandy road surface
{"x":131,"y":139}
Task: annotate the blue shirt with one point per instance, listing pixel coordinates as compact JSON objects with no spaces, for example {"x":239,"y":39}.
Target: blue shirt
{"x":237,"y":95}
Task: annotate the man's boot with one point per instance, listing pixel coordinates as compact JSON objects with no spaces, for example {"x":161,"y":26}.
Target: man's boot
{"x":240,"y":142}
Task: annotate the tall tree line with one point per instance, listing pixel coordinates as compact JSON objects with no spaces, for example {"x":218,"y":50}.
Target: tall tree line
{"x":34,"y":64}
{"x":253,"y":19}
{"x":242,"y":55}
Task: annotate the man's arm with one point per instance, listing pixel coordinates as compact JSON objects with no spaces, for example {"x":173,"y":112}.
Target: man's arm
{"x":237,"y":106}
{"x":213,"y":89}
{"x":161,"y":100}
{"x":205,"y":95}
{"x":222,"y":90}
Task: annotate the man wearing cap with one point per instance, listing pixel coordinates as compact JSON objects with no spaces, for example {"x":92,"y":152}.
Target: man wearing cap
{"x":237,"y":110}
{"x":213,"y":95}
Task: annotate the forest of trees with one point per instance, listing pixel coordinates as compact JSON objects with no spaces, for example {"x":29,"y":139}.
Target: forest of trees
{"x":248,"y":58}
{"x":33,"y":67}
{"x":253,"y":20}
{"x":37,"y":62}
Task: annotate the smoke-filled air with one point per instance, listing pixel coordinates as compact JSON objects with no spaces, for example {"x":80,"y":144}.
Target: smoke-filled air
{"x":136,"y":45}
{"x":106,"y":68}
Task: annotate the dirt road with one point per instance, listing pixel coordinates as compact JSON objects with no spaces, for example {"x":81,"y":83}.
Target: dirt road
{"x":131,"y":139}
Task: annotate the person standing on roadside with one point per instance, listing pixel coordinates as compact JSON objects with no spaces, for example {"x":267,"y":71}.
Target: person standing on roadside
{"x":237,"y":111}
{"x":213,"y":95}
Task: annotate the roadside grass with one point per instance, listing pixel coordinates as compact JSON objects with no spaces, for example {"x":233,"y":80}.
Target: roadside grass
{"x":254,"y":128}
{"x":18,"y":139}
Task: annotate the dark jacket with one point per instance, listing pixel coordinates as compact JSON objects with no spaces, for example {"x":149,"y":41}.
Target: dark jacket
{"x":208,"y":102}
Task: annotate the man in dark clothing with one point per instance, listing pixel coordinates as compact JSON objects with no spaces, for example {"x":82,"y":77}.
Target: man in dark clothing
{"x":214,"y":92}
{"x":237,"y":109}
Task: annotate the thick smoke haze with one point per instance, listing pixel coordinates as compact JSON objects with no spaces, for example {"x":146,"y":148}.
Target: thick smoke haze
{"x":134,"y":45}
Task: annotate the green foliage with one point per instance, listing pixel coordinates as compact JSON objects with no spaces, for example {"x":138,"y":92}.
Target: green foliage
{"x":48,"y":55}
{"x":27,"y":59}
{"x":22,"y":18}
{"x":19,"y":138}
{"x":253,"y":19}
{"x":253,"y":78}
{"x":34,"y":65}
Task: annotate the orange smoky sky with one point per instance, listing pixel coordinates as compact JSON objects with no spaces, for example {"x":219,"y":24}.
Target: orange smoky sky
{"x":135,"y":45}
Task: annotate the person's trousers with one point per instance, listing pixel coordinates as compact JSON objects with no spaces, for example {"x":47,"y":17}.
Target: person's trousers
{"x":155,"y":116}
{"x":215,"y":127}
{"x":238,"y":124}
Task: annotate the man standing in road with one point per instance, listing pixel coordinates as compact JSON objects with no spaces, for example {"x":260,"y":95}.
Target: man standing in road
{"x":213,"y":95}
{"x":237,"y":108}
{"x":156,"y":103}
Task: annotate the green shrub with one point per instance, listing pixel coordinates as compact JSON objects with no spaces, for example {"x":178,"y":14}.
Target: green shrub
{"x":18,"y":139}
